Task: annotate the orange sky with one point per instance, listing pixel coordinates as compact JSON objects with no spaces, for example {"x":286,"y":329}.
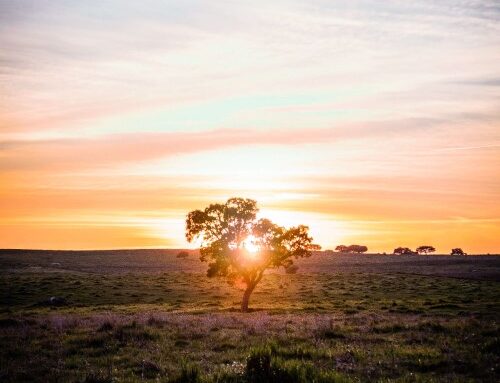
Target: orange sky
{"x":373,"y":123}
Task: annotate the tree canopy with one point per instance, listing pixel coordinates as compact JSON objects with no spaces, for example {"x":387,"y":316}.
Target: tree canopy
{"x":238,"y":246}
{"x":404,"y":251}
{"x":351,"y":249}
{"x":458,"y":251}
{"x":425,"y":249}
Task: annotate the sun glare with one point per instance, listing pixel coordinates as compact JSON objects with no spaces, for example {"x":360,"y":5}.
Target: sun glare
{"x":250,"y":244}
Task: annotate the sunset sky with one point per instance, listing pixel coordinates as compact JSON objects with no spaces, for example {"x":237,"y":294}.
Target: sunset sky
{"x":373,"y":122}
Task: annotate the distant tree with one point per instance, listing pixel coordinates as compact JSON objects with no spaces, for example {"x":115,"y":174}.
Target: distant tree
{"x":182,"y":254}
{"x":458,"y":251}
{"x":341,"y":248}
{"x":425,"y":249}
{"x":404,"y":251}
{"x":241,"y":248}
{"x":292,"y":269}
{"x":357,"y":249}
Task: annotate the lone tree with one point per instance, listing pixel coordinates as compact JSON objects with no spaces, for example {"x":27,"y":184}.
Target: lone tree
{"x":458,"y":251}
{"x":403,"y":251}
{"x":238,"y":246}
{"x":357,"y":249}
{"x":426,"y":249}
{"x":351,"y":249}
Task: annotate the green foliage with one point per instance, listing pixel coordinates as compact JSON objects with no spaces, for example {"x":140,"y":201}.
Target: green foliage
{"x":223,"y":230}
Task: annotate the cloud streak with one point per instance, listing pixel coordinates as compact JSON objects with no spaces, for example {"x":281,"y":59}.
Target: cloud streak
{"x":66,"y":154}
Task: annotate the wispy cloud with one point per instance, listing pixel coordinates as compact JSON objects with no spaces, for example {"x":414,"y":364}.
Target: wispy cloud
{"x":380,"y":110}
{"x":492,"y":146}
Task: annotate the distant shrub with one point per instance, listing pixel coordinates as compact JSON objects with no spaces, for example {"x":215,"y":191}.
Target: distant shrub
{"x":458,"y":251}
{"x":404,"y":251}
{"x":357,"y":249}
{"x":351,"y":249}
{"x":425,"y":249}
{"x":182,"y":254}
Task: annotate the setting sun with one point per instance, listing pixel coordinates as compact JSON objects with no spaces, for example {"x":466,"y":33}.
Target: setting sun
{"x":251,"y":245}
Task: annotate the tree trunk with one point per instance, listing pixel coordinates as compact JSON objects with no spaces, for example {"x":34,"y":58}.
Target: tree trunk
{"x":246,"y":298}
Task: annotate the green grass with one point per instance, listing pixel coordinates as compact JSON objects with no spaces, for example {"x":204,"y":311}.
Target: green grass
{"x":183,"y":327}
{"x":320,"y":293}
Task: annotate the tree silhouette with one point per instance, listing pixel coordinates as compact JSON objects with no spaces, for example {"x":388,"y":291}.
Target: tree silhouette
{"x":357,"y":249}
{"x":404,"y":251}
{"x":425,"y":249}
{"x":351,"y":249}
{"x":239,"y":247}
{"x":458,"y":251}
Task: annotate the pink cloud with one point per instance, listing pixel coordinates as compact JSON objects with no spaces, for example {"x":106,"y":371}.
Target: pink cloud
{"x":62,"y":154}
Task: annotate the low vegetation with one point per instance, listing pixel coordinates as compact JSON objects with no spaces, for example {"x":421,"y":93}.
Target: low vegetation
{"x":185,"y":327}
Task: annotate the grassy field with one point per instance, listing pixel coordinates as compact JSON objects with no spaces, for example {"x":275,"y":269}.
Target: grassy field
{"x":154,"y":317}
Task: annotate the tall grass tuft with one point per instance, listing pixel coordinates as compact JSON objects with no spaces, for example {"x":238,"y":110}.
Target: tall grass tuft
{"x":190,"y":373}
{"x":264,"y":366}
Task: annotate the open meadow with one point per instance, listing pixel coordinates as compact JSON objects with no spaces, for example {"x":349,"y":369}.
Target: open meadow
{"x":147,"y":315}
